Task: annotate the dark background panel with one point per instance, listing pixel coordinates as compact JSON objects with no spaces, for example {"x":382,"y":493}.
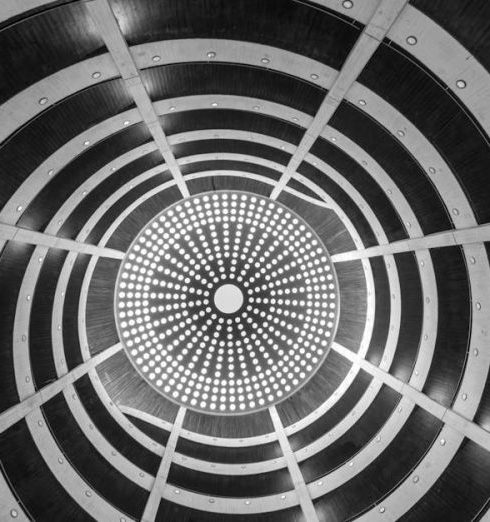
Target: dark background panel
{"x":122,"y":241}
{"x":436,"y":112}
{"x":384,"y":473}
{"x":177,"y":122}
{"x":324,"y":222}
{"x":40,"y":335}
{"x":241,"y":166}
{"x":129,"y":228}
{"x":99,"y":314}
{"x":157,"y":434}
{"x":381,"y":323}
{"x":112,"y":431}
{"x":229,"y":455}
{"x":52,"y":129}
{"x":126,"y":387}
{"x":352,"y":305}
{"x":342,"y":199}
{"x":334,"y":415}
{"x":71,"y":340}
{"x":231,"y":146}
{"x":395,"y":159}
{"x":72,"y":38}
{"x":468,"y":22}
{"x":296,"y":26}
{"x":68,"y":180}
{"x":411,"y":316}
{"x":234,"y":426}
{"x":84,"y":457}
{"x":460,"y":492}
{"x":453,"y":328}
{"x":316,"y":391}
{"x":270,"y":483}
{"x":369,"y":189}
{"x":34,"y":484}
{"x":188,"y":79}
{"x":13,"y":261}
{"x":346,"y":447}
{"x":169,"y":511}
{"x":211,"y":183}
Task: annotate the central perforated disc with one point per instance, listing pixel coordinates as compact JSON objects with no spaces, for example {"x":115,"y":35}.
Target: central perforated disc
{"x":226,"y":302}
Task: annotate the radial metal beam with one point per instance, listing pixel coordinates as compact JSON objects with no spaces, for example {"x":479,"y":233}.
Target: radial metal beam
{"x":463,"y":236}
{"x":366,"y":45}
{"x":153,"y":501}
{"x":20,"y":410}
{"x":454,"y":420}
{"x":299,"y":482}
{"x":109,"y":30}
{"x":31,"y":237}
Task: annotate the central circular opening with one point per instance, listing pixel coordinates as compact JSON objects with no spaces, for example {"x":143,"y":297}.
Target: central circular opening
{"x":228,"y":299}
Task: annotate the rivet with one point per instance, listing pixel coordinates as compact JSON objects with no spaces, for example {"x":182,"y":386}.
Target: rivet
{"x":88,"y":493}
{"x":43,"y":101}
{"x":351,"y":463}
{"x":427,"y":299}
{"x":19,"y":208}
{"x":126,"y":122}
{"x":295,"y":118}
{"x":347,"y":4}
{"x":432,"y":170}
{"x":256,"y":108}
{"x":319,"y":483}
{"x":211,"y":54}
{"x":14,"y":513}
{"x":464,"y":396}
{"x":283,"y":497}
{"x":28,"y":379}
{"x":382,"y":509}
{"x":96,"y":75}
{"x":415,"y":479}
{"x":314,"y":76}
{"x":247,"y":502}
{"x":156,"y":58}
{"x":60,"y":460}
{"x":362,"y":102}
{"x":211,"y":501}
{"x":476,"y":352}
{"x":442,"y":442}
{"x":86,"y":143}
{"x":472,"y":260}
{"x":460,"y":84}
{"x":265,"y":60}
{"x":177,"y":491}
{"x":24,"y":338}
{"x":478,"y":306}
{"x":40,"y":423}
{"x":422,"y":263}
{"x":400,"y":132}
{"x":28,"y":297}
{"x":50,"y":172}
{"x":411,"y":40}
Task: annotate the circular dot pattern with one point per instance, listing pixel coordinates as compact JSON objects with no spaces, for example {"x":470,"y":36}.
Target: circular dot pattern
{"x":189,"y":350}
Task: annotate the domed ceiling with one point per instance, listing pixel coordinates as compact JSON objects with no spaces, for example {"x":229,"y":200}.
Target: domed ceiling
{"x":244,"y":269}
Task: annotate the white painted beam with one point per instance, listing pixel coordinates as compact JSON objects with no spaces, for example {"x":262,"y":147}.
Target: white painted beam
{"x":365,"y":47}
{"x":32,"y":237}
{"x":20,"y":410}
{"x":299,"y":482}
{"x":109,"y":29}
{"x":463,"y":236}
{"x":451,"y":418}
{"x":153,"y":501}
